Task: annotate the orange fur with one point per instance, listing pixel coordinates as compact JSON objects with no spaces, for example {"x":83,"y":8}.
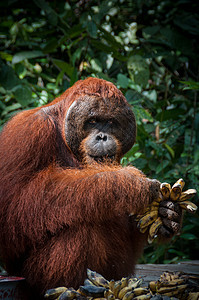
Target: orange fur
{"x":57,"y":217}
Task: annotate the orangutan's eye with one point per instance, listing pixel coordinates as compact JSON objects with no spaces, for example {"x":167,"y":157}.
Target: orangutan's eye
{"x":92,"y":121}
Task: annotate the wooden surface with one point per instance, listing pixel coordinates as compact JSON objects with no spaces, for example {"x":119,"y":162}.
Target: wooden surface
{"x":151,"y":272}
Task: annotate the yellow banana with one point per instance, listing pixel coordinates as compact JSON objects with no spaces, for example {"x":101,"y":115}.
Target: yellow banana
{"x":116,"y":288}
{"x":111,"y":284}
{"x":128,"y":296}
{"x":92,"y":291}
{"x":178,"y":292}
{"x":193,"y":296}
{"x":154,"y":229}
{"x":134,"y":282}
{"x":173,"y":290}
{"x":97,"y":279}
{"x":165,"y":189}
{"x":124,"y":282}
{"x":140,"y":291}
{"x":181,"y":182}
{"x":171,"y":283}
{"x":54,"y":293}
{"x":123,"y":291}
{"x":189,"y":206}
{"x":147,"y":219}
{"x":153,"y":286}
{"x":187,"y":195}
{"x":108,"y":293}
{"x":166,"y":289}
{"x":143,"y":297}
{"x":69,"y":294}
{"x":150,"y":218}
{"x":110,"y":297}
{"x":175,"y":192}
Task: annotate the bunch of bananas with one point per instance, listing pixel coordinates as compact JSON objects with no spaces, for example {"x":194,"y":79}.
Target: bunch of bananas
{"x":96,"y":286}
{"x":150,"y":219}
{"x":170,"y":284}
{"x":175,"y":284}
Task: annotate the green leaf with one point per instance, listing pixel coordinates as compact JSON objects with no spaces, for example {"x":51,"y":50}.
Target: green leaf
{"x":20,"y":56}
{"x":142,"y":114}
{"x":62,"y":65}
{"x":138,"y":70}
{"x":6,"y":56}
{"x":188,"y":236}
{"x":122,"y":81}
{"x":170,"y":114}
{"x":92,"y":29}
{"x":151,"y":30}
{"x":171,"y":151}
{"x":10,"y":108}
{"x":8,"y":78}
{"x":52,"y":15}
{"x":188,"y":22}
{"x":188,"y":227}
{"x":110,"y":38}
{"x":192,"y":85}
{"x":23,"y":94}
{"x":51,"y":45}
{"x":96,"y":65}
{"x":162,"y":166}
{"x":133,"y":97}
{"x":179,"y":253}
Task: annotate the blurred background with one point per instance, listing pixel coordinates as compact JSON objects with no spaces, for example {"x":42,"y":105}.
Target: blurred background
{"x":147,"y":48}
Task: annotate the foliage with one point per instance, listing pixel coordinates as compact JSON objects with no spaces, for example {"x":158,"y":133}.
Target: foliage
{"x":148,"y":48}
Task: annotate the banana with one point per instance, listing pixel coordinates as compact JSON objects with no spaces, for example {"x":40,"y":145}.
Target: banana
{"x":181,"y":182}
{"x":165,"y":189}
{"x":171,"y":291}
{"x":128,"y":296}
{"x":108,"y":294}
{"x":92,"y":291}
{"x":147,"y":219}
{"x":111,"y":284}
{"x":54,"y":293}
{"x":143,"y":297}
{"x":88,"y":282}
{"x":171,"y":283}
{"x":193,"y":296}
{"x":134,"y":282}
{"x":140,"y":291}
{"x":69,"y":294}
{"x":175,"y":192}
{"x":150,"y":219}
{"x":170,"y":276}
{"x":116,"y":288}
{"x":110,"y":297}
{"x":153,"y":286}
{"x":175,"y":294}
{"x":97,"y":279}
{"x":124,"y":282}
{"x":167,"y":289}
{"x":123,"y":291}
{"x":187,"y":195}
{"x":188,"y":206}
{"x":154,"y":229}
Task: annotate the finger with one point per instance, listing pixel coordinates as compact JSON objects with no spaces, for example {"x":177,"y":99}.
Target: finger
{"x":154,"y":189}
{"x":163,"y":231}
{"x":171,"y":205}
{"x":178,"y":209}
{"x":167,"y":204}
{"x":169,"y":214}
{"x":175,"y":227}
